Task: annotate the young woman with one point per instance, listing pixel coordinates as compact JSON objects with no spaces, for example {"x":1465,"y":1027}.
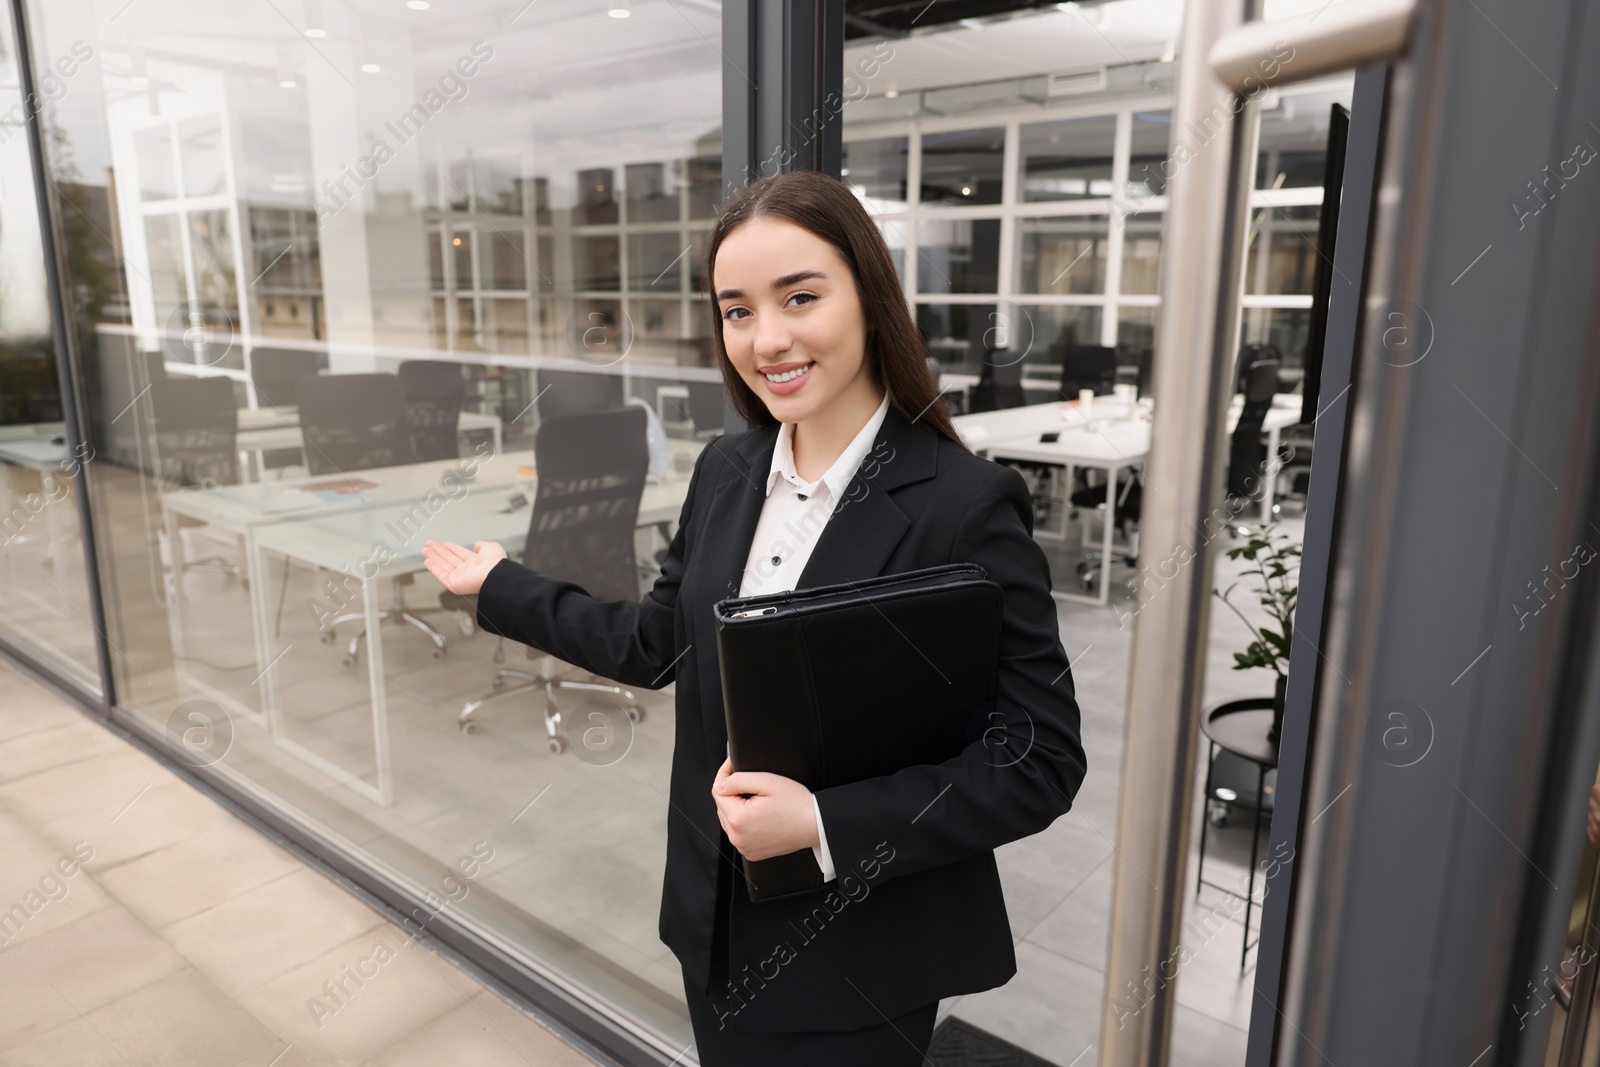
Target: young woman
{"x":852,"y":470}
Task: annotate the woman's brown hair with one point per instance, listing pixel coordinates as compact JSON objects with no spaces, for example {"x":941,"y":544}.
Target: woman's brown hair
{"x":825,"y":206}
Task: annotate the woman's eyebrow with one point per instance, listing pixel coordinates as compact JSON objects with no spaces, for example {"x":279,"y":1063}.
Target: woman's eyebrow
{"x":777,"y":283}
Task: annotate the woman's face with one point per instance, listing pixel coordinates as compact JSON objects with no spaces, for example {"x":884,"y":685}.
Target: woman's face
{"x":792,"y":321}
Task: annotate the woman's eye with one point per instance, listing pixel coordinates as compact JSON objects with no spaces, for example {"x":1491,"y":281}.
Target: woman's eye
{"x":804,"y":297}
{"x":734,"y":314}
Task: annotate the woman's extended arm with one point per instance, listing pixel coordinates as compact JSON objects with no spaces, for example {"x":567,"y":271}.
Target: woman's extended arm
{"x":1026,"y":768}
{"x":633,"y":642}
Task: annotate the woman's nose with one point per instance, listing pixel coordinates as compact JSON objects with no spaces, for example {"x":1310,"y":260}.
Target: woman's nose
{"x":772,"y":338}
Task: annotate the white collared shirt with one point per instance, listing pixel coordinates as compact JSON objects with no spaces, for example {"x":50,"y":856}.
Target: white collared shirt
{"x":792,"y":519}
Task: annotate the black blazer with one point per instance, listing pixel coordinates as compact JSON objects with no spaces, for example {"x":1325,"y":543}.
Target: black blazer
{"x":917,"y":912}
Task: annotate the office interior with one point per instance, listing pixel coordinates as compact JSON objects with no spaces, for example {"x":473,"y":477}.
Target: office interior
{"x":330,"y":265}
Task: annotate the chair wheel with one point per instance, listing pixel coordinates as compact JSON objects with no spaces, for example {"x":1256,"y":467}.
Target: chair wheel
{"x":465,"y":624}
{"x":436,"y":652}
{"x":557,"y":745}
{"x":469,"y":726}
{"x":635,"y":714}
{"x":347,"y":661}
{"x":498,"y":683}
{"x":326,"y":637}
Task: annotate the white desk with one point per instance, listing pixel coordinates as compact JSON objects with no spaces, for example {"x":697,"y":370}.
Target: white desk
{"x":1110,"y":436}
{"x":63,"y":545}
{"x":241,"y":510}
{"x":342,"y":541}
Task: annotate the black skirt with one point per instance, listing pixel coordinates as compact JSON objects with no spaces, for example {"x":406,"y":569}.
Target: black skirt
{"x":898,"y":1042}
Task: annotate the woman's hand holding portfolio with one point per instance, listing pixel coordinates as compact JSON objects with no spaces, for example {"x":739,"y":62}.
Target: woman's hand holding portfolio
{"x":461,"y":570}
{"x":764,"y":815}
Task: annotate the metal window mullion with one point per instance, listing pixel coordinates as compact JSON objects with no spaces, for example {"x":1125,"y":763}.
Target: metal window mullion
{"x":1122,"y":142}
{"x":74,"y":404}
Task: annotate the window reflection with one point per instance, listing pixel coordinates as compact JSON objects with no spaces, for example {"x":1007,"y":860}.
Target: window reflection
{"x":352,"y":264}
{"x":1069,"y":159}
{"x":963,"y":166}
{"x":1065,"y":254}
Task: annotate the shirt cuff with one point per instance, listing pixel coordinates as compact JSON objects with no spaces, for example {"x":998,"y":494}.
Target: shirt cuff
{"x":824,"y":860}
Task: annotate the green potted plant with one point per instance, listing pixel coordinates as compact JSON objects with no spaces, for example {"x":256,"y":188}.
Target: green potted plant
{"x":1275,"y":581}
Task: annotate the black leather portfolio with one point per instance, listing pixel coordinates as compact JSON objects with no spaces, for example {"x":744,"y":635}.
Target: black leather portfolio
{"x":843,"y":682}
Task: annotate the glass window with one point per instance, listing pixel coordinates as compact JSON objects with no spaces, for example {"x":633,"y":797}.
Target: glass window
{"x":595,"y":263}
{"x":506,"y":265}
{"x":652,"y":196}
{"x":1062,"y":254}
{"x":963,"y":167}
{"x":1294,"y":139}
{"x":875,"y":170}
{"x":200,"y":145}
{"x":348,"y":222}
{"x":44,"y":595}
{"x":157,"y":170}
{"x":597,"y":197}
{"x":655,"y":261}
{"x":958,"y":256}
{"x":1069,"y":159}
{"x":1045,"y":332}
{"x":1283,"y":250}
{"x":1149,"y":137}
{"x":957,"y":335}
{"x":1141,"y":252}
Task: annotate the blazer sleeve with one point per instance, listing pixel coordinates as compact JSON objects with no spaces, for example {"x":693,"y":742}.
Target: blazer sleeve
{"x":632,"y":642}
{"x":1024,"y":769}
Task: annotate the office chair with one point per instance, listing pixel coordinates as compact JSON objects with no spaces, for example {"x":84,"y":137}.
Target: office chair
{"x":705,"y":409}
{"x":999,"y":383}
{"x":569,"y":392}
{"x":1129,"y":505}
{"x":1088,"y":367}
{"x":353,"y":422}
{"x":592,"y":471}
{"x":1247,"y":452}
{"x":274,"y":372}
{"x":432,"y":391}
{"x":196,"y":427}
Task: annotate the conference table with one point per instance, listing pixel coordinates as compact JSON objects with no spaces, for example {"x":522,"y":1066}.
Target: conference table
{"x":1112,"y":435}
{"x":334,"y":523}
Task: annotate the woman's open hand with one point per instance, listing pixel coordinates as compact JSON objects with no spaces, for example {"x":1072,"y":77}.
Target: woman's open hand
{"x":777,"y":818}
{"x":461,"y":570}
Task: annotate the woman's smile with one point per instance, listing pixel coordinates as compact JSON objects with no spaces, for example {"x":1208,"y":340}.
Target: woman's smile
{"x":785,"y":378}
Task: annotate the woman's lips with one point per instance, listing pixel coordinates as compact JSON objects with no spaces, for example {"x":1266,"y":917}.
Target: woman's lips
{"x":792,"y":375}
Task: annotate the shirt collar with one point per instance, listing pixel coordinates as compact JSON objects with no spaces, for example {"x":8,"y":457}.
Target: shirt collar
{"x":836,"y":477}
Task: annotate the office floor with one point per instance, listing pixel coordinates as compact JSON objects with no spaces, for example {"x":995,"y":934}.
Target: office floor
{"x":184,"y":937}
{"x":587,"y":859}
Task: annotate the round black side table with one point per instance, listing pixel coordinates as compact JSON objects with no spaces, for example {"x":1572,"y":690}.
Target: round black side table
{"x":1239,"y":728}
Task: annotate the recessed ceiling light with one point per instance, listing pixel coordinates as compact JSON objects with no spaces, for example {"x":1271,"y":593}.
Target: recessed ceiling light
{"x":287,"y":83}
{"x":891,"y":93}
{"x":966,"y":190}
{"x":370,"y":68}
{"x":417,"y":5}
{"x":315,"y":32}
{"x":972,"y":24}
{"x":618,"y":9}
